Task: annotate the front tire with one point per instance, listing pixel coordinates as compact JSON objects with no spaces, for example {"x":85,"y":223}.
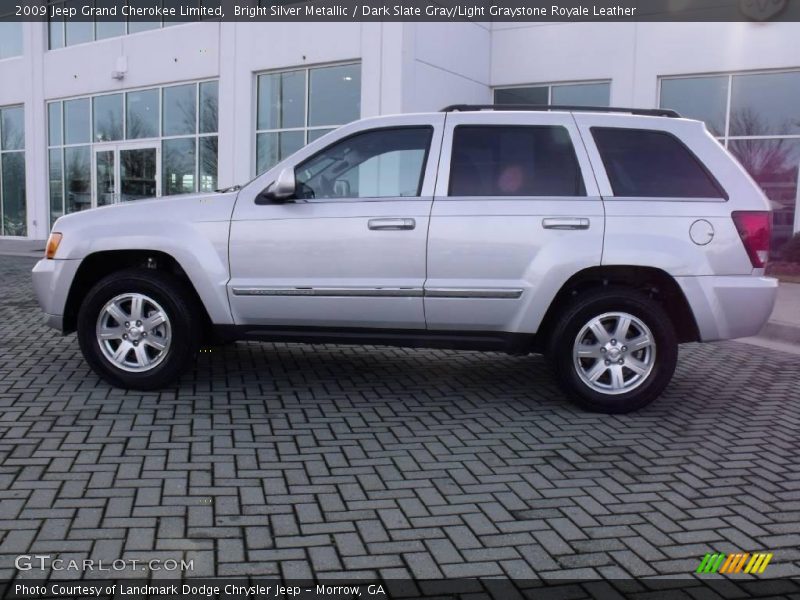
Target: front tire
{"x":614,"y":350}
{"x":137,"y":329}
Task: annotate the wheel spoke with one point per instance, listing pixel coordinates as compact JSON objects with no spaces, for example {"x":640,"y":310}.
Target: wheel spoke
{"x":141,"y":356}
{"x":617,"y":378}
{"x":588,"y":351}
{"x":635,"y":365}
{"x":122,"y":351}
{"x":621,"y":331}
{"x":117,"y":313}
{"x":110,"y":333}
{"x":137,"y":307}
{"x":156,"y":343}
{"x":639,"y":343}
{"x":599,"y":331}
{"x":153,"y":321}
{"x":596,"y":371}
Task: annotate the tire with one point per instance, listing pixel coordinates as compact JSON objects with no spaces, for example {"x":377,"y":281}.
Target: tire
{"x":586,"y":358}
{"x":161,"y":344}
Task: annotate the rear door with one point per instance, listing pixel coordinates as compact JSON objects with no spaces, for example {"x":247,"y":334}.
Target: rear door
{"x":515,"y":214}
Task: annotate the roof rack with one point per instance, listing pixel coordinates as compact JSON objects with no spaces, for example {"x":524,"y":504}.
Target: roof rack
{"x":650,"y":112}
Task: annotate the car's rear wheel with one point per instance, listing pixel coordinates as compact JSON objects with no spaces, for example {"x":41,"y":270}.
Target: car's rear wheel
{"x":137,"y":329}
{"x":614,"y":350}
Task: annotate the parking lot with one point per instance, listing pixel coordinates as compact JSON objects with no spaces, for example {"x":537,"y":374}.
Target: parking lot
{"x":300,"y":461}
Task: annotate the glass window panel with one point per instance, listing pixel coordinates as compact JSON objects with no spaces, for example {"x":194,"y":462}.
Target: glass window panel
{"x":142,"y":114}
{"x":178,"y":166}
{"x":582,"y":94}
{"x":77,"y":178}
{"x":56,"y":33}
{"x":54,"y":127}
{"x":334,"y":95}
{"x":773,"y":164}
{"x":314,"y":134}
{"x":137,"y":173}
{"x":12,"y":128}
{"x":76,"y":121}
{"x":56,"y":171}
{"x":107,"y":111}
{"x":524,"y":95}
{"x":209,"y":98}
{"x":281,"y":100}
{"x":109,"y":29}
{"x":271,"y":148}
{"x":765,"y":104}
{"x":13,"y":176}
{"x":702,"y":98}
{"x":10,"y":39}
{"x":514,"y":161}
{"x":78,"y":32}
{"x":374,"y":164}
{"x":137,"y":24}
{"x":180,"y":110}
{"x":652,"y":164}
{"x":208,"y":163}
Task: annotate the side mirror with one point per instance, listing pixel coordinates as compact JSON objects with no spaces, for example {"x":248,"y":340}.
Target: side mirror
{"x":280,"y":190}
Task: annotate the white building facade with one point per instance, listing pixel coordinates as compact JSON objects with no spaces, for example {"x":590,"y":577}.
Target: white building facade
{"x":97,"y":113}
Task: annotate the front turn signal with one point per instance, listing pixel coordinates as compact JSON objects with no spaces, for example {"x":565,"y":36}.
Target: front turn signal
{"x":52,"y":245}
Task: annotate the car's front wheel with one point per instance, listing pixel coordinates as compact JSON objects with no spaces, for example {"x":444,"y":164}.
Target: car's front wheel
{"x":137,"y":329}
{"x":614,"y":350}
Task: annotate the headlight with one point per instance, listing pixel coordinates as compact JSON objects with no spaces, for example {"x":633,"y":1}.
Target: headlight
{"x":52,"y":245}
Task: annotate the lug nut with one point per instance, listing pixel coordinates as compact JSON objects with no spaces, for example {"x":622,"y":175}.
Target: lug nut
{"x":613,"y":342}
{"x":138,"y":323}
{"x":135,"y":343}
{"x":624,"y":348}
{"x":603,"y":349}
{"x":127,"y":324}
{"x":144,"y":334}
{"x":622,"y":362}
{"x":124,"y":336}
{"x":608,"y":362}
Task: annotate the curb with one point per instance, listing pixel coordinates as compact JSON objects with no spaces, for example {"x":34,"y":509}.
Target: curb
{"x":783,"y":332}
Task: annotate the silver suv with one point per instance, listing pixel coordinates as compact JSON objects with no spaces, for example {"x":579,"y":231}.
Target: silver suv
{"x":601,"y":238}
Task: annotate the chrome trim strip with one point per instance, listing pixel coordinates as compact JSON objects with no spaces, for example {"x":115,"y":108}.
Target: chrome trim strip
{"x":493,"y":293}
{"x":308,"y":291}
{"x":381,"y":292}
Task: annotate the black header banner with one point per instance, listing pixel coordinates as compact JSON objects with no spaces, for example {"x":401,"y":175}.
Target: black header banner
{"x":757,"y":11}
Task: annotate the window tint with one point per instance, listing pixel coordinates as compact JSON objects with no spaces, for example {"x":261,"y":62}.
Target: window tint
{"x":653,"y":164}
{"x":382,"y":163}
{"x":514,"y":161}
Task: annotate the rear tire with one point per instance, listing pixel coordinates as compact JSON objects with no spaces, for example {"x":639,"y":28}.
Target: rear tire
{"x":613,"y":350}
{"x":138,"y":329}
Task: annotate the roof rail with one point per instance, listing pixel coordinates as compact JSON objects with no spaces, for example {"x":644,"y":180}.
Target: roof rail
{"x":650,"y":112}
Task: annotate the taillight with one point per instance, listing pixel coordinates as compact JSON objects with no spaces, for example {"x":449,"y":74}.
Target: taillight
{"x":754,"y":229}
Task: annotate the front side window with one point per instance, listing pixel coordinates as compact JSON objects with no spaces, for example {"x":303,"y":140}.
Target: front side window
{"x":383,"y":163}
{"x":652,"y":164}
{"x":503,"y":160}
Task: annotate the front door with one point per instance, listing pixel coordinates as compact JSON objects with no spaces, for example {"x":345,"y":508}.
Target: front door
{"x":349,"y":249}
{"x":125,"y":172}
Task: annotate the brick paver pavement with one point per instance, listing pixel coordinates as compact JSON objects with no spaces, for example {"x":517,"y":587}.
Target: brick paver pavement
{"x":296,"y":460}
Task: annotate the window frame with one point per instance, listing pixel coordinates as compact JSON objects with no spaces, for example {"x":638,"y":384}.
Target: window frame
{"x":423,"y":167}
{"x":305,"y":129}
{"x":585,"y":195}
{"x":724,"y":197}
{"x":551,"y":85}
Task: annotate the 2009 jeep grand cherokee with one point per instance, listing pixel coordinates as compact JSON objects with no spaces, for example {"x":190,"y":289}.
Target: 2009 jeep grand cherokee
{"x":601,"y":239}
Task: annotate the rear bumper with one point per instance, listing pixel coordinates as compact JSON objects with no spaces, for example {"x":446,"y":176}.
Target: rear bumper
{"x":52,"y":280}
{"x":729,"y":307}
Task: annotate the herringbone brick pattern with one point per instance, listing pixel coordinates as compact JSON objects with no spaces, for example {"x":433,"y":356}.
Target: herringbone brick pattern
{"x":342,"y":461}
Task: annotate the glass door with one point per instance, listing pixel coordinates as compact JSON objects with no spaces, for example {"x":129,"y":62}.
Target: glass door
{"x":126,"y":172}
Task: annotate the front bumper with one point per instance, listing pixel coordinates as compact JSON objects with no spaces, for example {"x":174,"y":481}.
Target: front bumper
{"x":52,"y":280}
{"x":729,"y":307}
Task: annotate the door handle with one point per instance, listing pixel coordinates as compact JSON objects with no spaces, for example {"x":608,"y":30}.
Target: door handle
{"x":565,"y":223}
{"x":391,"y":224}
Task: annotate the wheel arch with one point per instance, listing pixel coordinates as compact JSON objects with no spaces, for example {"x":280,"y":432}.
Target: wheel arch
{"x":656,"y":283}
{"x":98,"y":265}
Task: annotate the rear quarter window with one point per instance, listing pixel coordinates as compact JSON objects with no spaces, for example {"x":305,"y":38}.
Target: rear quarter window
{"x":652,"y":164}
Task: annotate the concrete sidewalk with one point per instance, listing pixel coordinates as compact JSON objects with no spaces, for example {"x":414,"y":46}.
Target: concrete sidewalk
{"x":783,"y":326}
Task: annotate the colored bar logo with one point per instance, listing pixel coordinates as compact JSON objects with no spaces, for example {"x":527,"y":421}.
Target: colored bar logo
{"x":729,"y":564}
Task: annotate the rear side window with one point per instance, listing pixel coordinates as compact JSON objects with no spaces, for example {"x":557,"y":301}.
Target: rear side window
{"x":492,"y":160}
{"x":652,"y":164}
